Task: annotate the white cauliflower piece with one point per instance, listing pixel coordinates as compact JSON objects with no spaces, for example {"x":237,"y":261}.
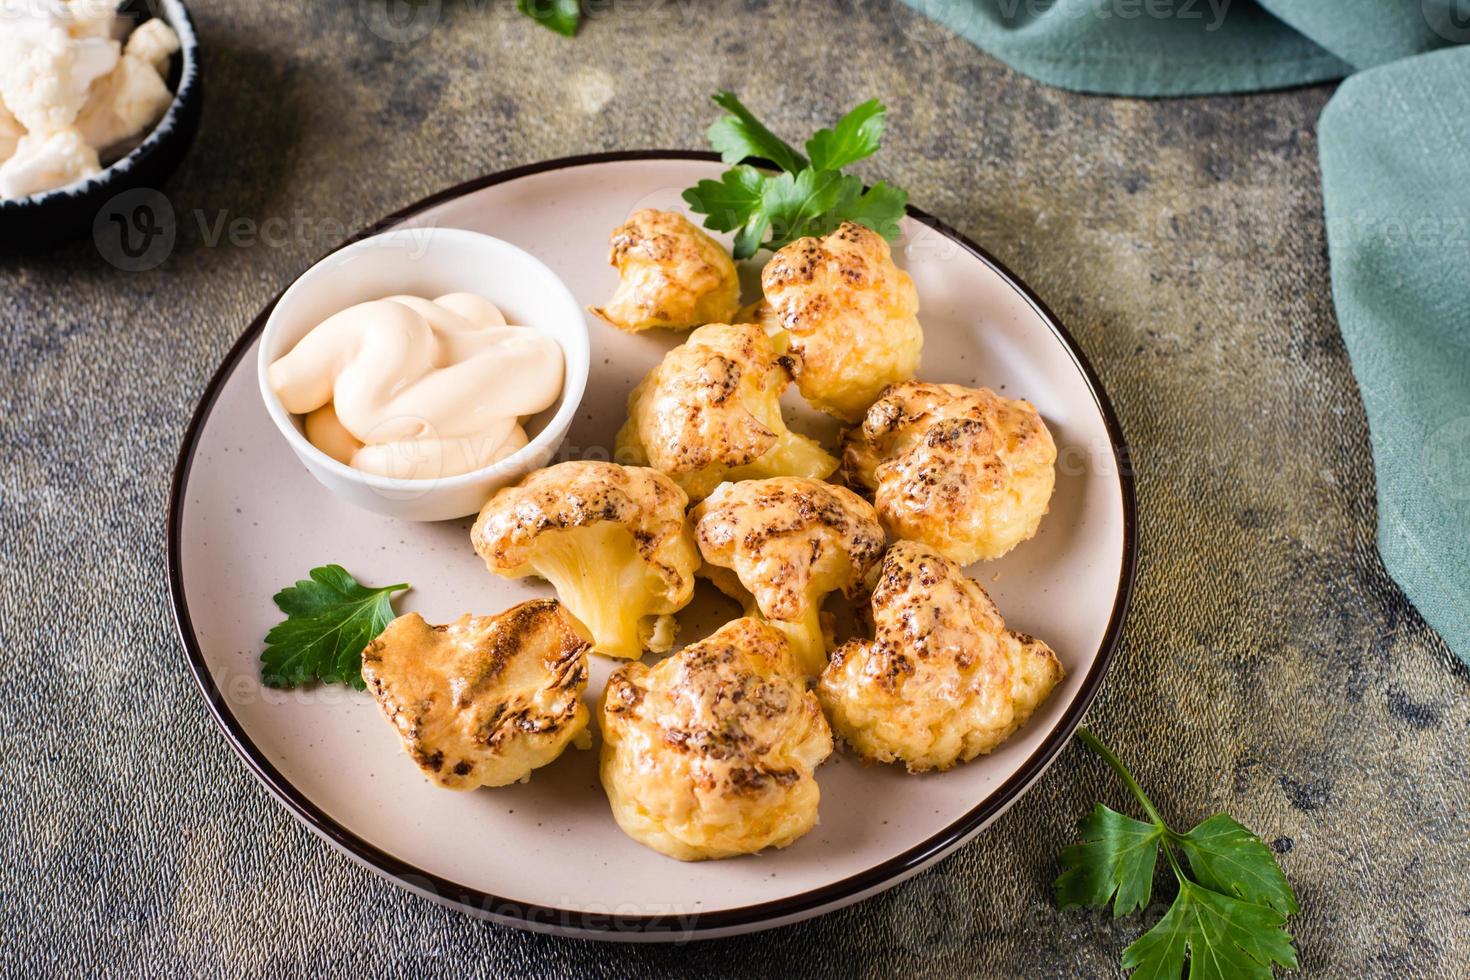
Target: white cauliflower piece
{"x":42,"y":163}
{"x":132,"y":97}
{"x":11,"y":132}
{"x":49,"y":73}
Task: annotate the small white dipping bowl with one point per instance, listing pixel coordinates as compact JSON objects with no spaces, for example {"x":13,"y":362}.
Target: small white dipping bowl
{"x":430,"y":262}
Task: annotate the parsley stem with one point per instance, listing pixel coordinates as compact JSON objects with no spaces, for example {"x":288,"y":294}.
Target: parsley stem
{"x":1106,"y":754}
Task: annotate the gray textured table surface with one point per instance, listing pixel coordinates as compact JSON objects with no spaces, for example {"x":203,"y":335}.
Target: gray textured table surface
{"x":1269,"y":666}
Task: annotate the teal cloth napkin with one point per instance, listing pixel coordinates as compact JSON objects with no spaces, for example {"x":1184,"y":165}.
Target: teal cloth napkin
{"x":1395,"y":146}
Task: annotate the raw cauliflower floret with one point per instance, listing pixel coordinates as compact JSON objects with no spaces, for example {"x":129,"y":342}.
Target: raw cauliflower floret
{"x":963,"y":470}
{"x":849,"y":314}
{"x":711,"y":753}
{"x":787,"y":542}
{"x":42,"y":163}
{"x":45,"y":74}
{"x":943,"y":680}
{"x":613,"y":540}
{"x":711,"y":412}
{"x":11,"y":132}
{"x":484,"y":700}
{"x":133,"y":96}
{"x":671,"y":274}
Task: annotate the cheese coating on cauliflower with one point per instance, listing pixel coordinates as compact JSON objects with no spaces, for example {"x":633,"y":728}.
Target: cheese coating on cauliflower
{"x":711,"y":412}
{"x":671,"y":274}
{"x":710,"y":754}
{"x":484,"y":700}
{"x":789,"y":541}
{"x":963,"y":470}
{"x":943,"y":680}
{"x":613,"y":540}
{"x":850,"y":317}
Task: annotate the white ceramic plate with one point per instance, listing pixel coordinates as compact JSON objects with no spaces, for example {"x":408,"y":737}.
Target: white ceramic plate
{"x":246,"y":519}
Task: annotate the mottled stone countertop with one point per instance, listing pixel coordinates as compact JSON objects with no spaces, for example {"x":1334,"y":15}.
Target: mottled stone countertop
{"x":1269,"y":666}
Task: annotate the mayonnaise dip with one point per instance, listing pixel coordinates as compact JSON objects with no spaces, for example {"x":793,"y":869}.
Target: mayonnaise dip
{"x":415,"y":389}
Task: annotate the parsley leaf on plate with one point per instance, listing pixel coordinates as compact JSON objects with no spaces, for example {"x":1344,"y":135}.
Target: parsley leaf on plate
{"x":879,"y":208}
{"x":1228,"y":920}
{"x":562,"y":16}
{"x":806,"y":197}
{"x":330,"y":618}
{"x":796,"y":203}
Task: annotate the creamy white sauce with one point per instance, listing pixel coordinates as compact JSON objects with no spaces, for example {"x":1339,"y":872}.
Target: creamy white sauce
{"x":416,"y":389}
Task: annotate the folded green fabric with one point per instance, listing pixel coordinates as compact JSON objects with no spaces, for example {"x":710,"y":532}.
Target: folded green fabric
{"x":1196,"y":47}
{"x":1395,"y":143}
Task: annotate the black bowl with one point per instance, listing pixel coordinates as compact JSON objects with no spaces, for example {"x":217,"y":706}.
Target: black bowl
{"x":48,"y":219}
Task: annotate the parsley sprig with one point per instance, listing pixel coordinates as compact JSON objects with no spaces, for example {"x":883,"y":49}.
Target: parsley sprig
{"x":1230,"y":914}
{"x":330,"y":618}
{"x":810,"y":196}
{"x":562,"y":16}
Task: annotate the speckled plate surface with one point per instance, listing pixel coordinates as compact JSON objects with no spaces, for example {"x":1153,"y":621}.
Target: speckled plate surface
{"x":246,"y":519}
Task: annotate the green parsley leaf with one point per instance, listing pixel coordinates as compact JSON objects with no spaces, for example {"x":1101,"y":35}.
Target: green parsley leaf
{"x":1227,"y":858}
{"x":856,"y":135}
{"x":728,"y":202}
{"x":740,"y":135}
{"x":1228,"y":920}
{"x":1114,"y":861}
{"x":807,"y":197}
{"x":1225,"y":938}
{"x":330,"y":618}
{"x":879,"y":208}
{"x":795,"y":203}
{"x":562,"y":16}
{"x":751,"y":234}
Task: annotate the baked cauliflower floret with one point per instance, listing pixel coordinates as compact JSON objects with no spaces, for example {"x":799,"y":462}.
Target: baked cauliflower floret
{"x":961,"y":469}
{"x":671,"y":273}
{"x":711,"y":412}
{"x":943,"y":680}
{"x":850,"y":317}
{"x":612,"y":539}
{"x":788,"y":541}
{"x":486,"y":699}
{"x":710,"y":753}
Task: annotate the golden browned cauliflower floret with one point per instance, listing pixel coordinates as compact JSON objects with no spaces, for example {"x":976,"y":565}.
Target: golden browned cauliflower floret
{"x":486,"y":699}
{"x":671,"y":273}
{"x":943,"y":680}
{"x":788,"y":541}
{"x":850,"y":317}
{"x":961,"y":469}
{"x":711,"y":412}
{"x":710,"y":753}
{"x":612,"y":539}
